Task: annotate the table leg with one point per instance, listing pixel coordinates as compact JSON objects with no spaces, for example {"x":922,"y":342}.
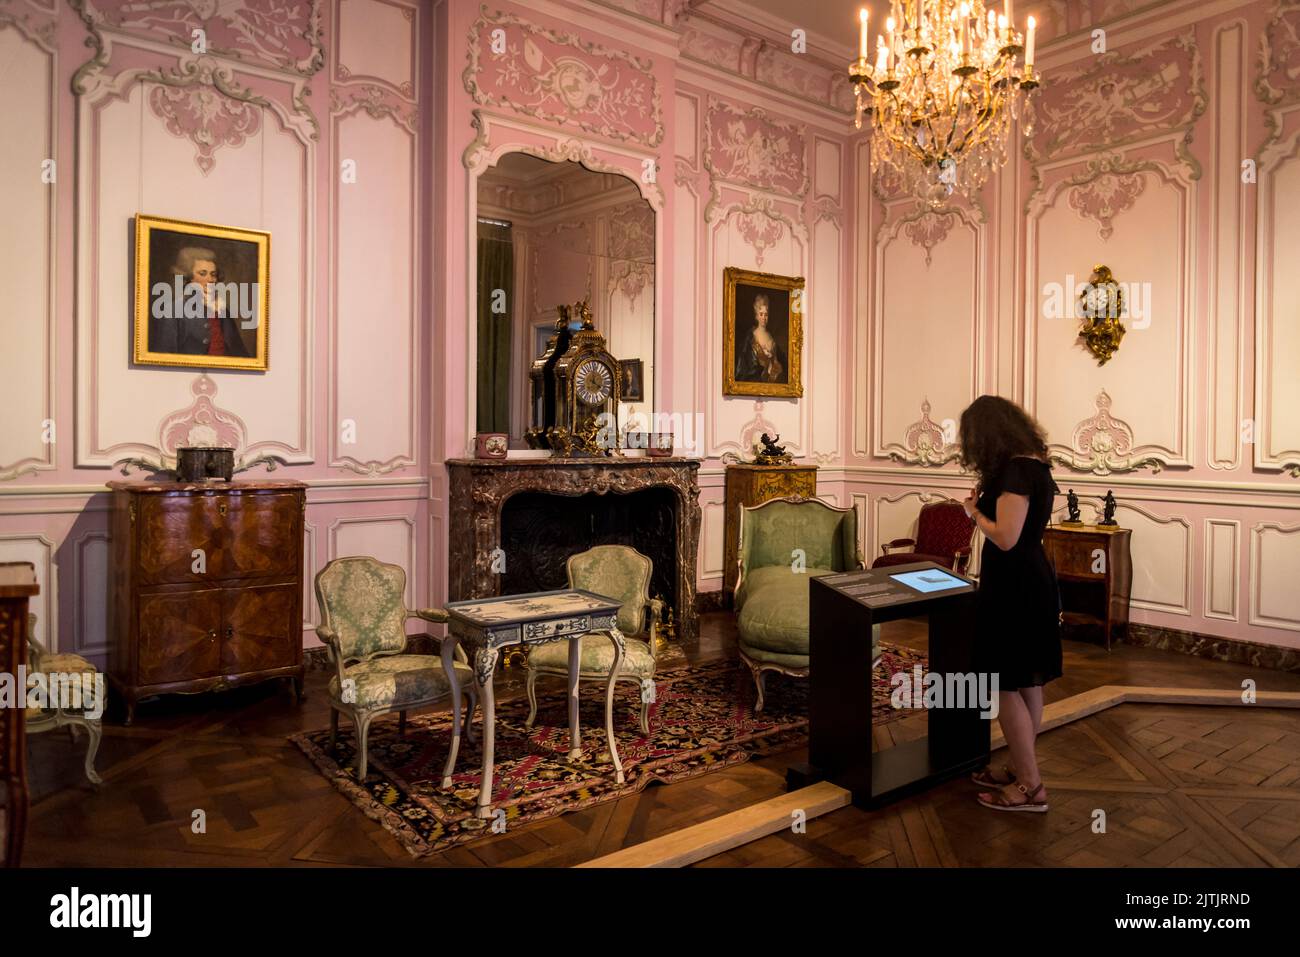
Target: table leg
{"x":485,"y":663}
{"x":616,"y":637}
{"x":449,"y":644}
{"x":575,"y":735}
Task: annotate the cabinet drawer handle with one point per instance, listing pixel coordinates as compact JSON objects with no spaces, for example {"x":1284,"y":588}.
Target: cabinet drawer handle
{"x":222,"y":508}
{"x":212,"y":634}
{"x":230,"y":632}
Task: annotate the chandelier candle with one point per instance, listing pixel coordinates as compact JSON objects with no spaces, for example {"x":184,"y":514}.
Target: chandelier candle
{"x":946,"y":87}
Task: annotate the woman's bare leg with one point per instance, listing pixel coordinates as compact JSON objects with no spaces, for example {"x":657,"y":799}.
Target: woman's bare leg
{"x":1033,"y":698}
{"x":1018,"y":726}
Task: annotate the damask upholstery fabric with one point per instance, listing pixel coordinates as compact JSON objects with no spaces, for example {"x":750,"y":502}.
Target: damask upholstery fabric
{"x":618,"y":572}
{"x":394,"y":679}
{"x":363,"y":602}
{"x":42,"y":662}
{"x":943,"y":528}
{"x":771,"y":533}
{"x":772,"y":598}
{"x":596,"y":657}
{"x":774,"y":615}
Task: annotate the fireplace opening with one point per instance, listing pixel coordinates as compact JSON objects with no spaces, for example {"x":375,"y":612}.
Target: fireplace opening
{"x":540,"y":530}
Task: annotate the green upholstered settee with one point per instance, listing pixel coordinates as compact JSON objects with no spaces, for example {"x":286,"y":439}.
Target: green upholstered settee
{"x":783,"y":544}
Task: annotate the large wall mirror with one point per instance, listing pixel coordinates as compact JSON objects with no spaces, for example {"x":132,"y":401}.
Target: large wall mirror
{"x":552,"y":234}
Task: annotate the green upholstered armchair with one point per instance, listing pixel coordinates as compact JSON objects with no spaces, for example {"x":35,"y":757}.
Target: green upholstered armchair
{"x":783,"y":544}
{"x":88,"y":717}
{"x":363,"y":623}
{"x":622,"y":573}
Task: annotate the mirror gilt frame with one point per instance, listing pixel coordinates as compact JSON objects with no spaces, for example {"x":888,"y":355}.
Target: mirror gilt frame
{"x":497,"y":135}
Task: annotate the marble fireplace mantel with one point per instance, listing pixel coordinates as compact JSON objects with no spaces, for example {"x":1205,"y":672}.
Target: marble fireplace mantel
{"x":479,"y":488}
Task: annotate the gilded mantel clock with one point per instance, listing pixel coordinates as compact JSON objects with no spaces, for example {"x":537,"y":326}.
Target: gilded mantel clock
{"x":588,"y":389}
{"x":541,"y":378}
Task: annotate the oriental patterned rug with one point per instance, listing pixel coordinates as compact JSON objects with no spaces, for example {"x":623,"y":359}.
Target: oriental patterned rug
{"x":703,"y":720}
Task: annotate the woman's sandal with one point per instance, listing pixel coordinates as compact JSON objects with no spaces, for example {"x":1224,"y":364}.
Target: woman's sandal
{"x":1002,"y":802}
{"x":985,"y":779}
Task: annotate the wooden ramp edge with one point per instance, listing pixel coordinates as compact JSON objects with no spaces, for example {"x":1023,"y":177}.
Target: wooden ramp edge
{"x":709,"y":838}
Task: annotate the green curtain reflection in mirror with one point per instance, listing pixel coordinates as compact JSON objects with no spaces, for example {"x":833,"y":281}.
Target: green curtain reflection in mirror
{"x":496,"y":270}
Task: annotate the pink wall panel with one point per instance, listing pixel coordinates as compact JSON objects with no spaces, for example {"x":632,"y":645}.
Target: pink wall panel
{"x":239,"y":134}
{"x":1139,"y":162}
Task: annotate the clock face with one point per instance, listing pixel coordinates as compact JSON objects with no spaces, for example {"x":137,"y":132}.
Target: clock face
{"x":593,"y":382}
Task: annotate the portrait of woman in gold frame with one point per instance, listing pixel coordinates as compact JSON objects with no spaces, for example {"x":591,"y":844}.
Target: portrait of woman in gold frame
{"x":762,"y":334}
{"x":202,"y":295}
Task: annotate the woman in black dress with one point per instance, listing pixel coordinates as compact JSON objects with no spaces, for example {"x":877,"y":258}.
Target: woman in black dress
{"x":1018,"y":628}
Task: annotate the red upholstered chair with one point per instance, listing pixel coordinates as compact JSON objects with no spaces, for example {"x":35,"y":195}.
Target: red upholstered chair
{"x":943,"y":536}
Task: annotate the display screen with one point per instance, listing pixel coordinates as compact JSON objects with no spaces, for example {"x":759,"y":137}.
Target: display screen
{"x":929,"y":579}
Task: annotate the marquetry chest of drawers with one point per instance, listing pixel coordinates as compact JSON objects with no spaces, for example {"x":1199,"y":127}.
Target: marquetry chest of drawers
{"x":207,"y":584}
{"x":1095,"y":571}
{"x":749,"y":485}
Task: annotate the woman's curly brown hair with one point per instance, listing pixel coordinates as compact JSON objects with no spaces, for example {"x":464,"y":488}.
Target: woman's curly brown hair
{"x":993,"y":430}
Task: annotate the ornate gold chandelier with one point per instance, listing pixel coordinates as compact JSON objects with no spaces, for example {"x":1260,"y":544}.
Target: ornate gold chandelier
{"x":942,"y":93}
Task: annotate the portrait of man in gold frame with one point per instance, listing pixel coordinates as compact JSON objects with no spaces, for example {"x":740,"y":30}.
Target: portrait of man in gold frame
{"x":202,"y":295}
{"x":762,"y":334}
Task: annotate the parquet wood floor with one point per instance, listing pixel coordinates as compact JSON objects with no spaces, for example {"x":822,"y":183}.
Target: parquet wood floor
{"x":1179,"y":786}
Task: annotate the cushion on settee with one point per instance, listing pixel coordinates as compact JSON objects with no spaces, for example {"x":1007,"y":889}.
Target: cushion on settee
{"x":773,"y":618}
{"x":773,"y":605}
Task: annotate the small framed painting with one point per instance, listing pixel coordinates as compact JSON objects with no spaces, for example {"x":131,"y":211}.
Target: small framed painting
{"x":762,"y":334}
{"x":201,"y":295}
{"x":633,"y":380}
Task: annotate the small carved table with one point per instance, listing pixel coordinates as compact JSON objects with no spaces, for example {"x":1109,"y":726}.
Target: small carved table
{"x":485,"y":626}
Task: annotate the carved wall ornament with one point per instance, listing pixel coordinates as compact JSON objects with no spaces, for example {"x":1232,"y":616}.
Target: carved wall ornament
{"x":481,"y":153}
{"x":929,"y":230}
{"x":1278,"y":62}
{"x":284,"y":35}
{"x":36,"y":23}
{"x":1105,"y":197}
{"x":561,"y":78}
{"x":202,"y":117}
{"x":632,"y":232}
{"x":759,"y":231}
{"x":202,"y":424}
{"x":925,"y":442}
{"x":377,"y":102}
{"x":752,"y":149}
{"x":205,"y":117}
{"x":1122,"y":96}
{"x":1103,"y":444}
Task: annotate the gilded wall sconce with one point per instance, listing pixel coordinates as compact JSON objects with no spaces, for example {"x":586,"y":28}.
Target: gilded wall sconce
{"x":1101,"y":304}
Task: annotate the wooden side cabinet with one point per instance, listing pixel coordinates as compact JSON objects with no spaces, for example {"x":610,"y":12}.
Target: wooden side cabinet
{"x":751,"y":485}
{"x":1095,"y":570}
{"x":206,"y":586}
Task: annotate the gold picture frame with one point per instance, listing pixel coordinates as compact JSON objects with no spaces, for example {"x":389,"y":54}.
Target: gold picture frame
{"x":202,"y":295}
{"x":750,"y":365}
